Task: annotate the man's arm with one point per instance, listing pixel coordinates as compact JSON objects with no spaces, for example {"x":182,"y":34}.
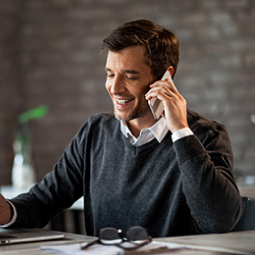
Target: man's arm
{"x":208,"y":182}
{"x":58,"y":190}
{"x":205,"y":161}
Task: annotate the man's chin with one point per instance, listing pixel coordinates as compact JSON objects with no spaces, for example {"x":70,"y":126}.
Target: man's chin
{"x":130,"y":116}
{"x":121,"y":117}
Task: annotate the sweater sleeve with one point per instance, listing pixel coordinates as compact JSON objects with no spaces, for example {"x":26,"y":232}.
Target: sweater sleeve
{"x":58,"y":190}
{"x":208,"y":183}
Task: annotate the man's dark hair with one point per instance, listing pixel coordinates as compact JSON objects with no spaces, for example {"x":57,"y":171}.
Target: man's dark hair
{"x":161,"y":45}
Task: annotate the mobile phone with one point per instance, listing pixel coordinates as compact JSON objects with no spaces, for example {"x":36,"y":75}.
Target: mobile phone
{"x":155,"y":104}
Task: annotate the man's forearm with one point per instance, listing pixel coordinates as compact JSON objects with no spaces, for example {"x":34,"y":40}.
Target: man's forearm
{"x":208,"y":185}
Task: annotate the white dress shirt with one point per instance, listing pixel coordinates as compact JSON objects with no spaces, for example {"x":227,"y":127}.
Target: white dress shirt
{"x":158,"y":131}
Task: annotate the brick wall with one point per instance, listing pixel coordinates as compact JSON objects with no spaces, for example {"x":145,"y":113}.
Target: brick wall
{"x":50,"y":54}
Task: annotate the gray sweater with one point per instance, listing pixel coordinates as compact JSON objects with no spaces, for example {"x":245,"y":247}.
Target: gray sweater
{"x":171,"y":189}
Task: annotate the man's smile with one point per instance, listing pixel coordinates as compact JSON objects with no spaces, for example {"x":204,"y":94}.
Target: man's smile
{"x":123,"y":101}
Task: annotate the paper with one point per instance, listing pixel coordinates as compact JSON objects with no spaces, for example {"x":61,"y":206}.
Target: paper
{"x":76,"y":249}
{"x":99,"y":249}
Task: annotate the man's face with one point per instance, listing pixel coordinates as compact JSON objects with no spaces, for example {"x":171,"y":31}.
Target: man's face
{"x":128,"y":80}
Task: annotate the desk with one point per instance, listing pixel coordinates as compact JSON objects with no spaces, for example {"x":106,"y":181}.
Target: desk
{"x":210,"y":244}
{"x":241,"y":242}
{"x":33,"y":248}
{"x":247,"y":191}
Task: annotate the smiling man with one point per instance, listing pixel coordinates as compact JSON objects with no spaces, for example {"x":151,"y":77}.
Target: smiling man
{"x":172,"y":176}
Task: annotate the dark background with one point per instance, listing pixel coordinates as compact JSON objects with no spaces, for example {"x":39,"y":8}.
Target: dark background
{"x":50,"y":54}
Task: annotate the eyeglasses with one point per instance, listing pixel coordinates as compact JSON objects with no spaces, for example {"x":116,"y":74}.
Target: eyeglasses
{"x":113,"y":236}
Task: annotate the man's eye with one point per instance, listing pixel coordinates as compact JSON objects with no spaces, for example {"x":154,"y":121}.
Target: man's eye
{"x":110,"y":75}
{"x":132,"y":77}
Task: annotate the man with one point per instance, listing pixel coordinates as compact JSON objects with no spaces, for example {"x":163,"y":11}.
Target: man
{"x":172,"y":176}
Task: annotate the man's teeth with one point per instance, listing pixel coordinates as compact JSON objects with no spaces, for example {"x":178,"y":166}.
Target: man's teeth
{"x":122,"y":101}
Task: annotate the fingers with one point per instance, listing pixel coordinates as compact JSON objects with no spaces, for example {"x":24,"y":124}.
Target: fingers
{"x":161,"y":89}
{"x":166,"y":83}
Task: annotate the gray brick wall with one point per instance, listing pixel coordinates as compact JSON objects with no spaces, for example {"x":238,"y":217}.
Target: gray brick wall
{"x":50,"y":54}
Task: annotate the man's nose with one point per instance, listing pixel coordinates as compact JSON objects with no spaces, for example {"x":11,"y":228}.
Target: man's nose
{"x":118,"y":85}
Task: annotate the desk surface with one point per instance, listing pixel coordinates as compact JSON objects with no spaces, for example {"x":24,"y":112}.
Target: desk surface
{"x":248,"y":191}
{"x":241,"y":242}
{"x":33,"y":248}
{"x":212,"y":244}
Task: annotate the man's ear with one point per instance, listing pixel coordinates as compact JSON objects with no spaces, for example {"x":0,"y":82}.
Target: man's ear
{"x":171,"y":70}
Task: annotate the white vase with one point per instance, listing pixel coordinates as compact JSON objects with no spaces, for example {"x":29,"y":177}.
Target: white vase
{"x":23,"y":173}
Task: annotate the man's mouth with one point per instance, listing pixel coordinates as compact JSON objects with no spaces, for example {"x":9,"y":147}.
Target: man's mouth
{"x":123,"y":101}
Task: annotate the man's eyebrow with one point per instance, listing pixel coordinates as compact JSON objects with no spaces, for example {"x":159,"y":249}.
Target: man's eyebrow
{"x":131,"y":71}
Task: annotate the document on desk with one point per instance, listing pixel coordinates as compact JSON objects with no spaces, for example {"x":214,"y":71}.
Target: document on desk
{"x":99,"y":249}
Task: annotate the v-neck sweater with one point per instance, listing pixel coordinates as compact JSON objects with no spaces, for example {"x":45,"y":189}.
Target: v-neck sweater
{"x":180,"y":188}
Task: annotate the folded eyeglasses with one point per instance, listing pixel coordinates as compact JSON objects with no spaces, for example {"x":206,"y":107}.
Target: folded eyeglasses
{"x":136,"y":235}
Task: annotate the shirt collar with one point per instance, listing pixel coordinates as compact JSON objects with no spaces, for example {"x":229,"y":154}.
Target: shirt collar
{"x":159,"y":130}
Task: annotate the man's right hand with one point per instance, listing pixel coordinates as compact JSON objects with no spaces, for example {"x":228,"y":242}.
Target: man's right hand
{"x":5,"y":211}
